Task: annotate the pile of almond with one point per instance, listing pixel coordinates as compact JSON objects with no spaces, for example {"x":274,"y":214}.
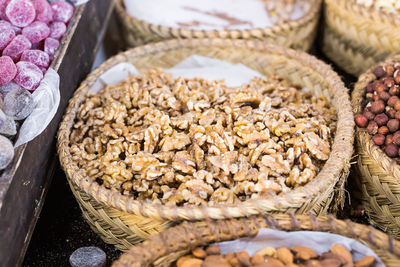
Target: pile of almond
{"x":271,"y":257}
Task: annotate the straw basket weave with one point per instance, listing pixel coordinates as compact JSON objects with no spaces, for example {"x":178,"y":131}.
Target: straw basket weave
{"x":123,"y":221}
{"x":297,"y":34}
{"x":379,"y":175}
{"x":165,"y":248}
{"x":357,"y":37}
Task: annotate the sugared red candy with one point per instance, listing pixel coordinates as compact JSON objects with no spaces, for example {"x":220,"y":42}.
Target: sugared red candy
{"x":7,"y":34}
{"x":44,"y":12}
{"x":6,"y":152}
{"x":62,"y":11}
{"x":7,"y":70}
{"x":37,"y":57}
{"x":57,"y":30}
{"x":50,"y":46}
{"x":20,"y":13}
{"x":3,"y":5}
{"x":36,"y":32}
{"x":28,"y":75}
{"x":18,"y":103}
{"x":18,"y":45}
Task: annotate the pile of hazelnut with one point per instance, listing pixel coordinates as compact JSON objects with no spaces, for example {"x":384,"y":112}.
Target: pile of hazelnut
{"x":381,"y":113}
{"x":296,"y":256}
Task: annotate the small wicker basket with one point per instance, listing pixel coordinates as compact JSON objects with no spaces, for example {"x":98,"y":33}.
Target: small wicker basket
{"x":297,"y":34}
{"x":123,"y":221}
{"x":379,"y":175}
{"x":165,"y":248}
{"x":357,"y":37}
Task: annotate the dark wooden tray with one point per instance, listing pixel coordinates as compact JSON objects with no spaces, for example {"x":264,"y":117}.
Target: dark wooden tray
{"x":24,"y":184}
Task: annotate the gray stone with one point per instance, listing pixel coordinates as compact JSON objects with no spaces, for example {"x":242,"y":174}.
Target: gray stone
{"x":6,"y":152}
{"x":88,"y":257}
{"x":7,"y":125}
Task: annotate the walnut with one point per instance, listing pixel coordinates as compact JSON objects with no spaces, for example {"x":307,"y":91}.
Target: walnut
{"x":193,"y":141}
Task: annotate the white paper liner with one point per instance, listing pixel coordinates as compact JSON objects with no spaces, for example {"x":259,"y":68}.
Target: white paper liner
{"x":47,"y":100}
{"x":319,"y":241}
{"x":195,"y":14}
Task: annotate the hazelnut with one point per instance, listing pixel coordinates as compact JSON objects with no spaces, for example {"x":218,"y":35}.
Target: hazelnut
{"x":397,"y":106}
{"x":393,"y":100}
{"x":378,"y":106}
{"x":395,"y":90}
{"x":361,"y":121}
{"x":381,"y":119}
{"x":369,"y":115}
{"x":397,"y":115}
{"x":370,"y":88}
{"x":392,"y":150}
{"x":389,"y":70}
{"x":390,"y":112}
{"x":397,"y":77}
{"x":393,"y":125}
{"x":379,"y":71}
{"x":384,"y":96}
{"x":375,"y":97}
{"x":380,"y":87}
{"x":379,"y":139}
{"x":372,"y":127}
{"x":388,"y":81}
{"x":389,"y":139}
{"x":396,"y":139}
{"x":383,"y":130}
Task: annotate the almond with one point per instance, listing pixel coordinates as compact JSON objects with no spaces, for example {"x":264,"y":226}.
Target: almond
{"x":365,"y":262}
{"x":284,"y":255}
{"x":304,"y":253}
{"x":213,"y":250}
{"x":343,"y":252}
{"x":313,"y":263}
{"x":243,"y":258}
{"x":199,"y":253}
{"x":183,"y":259}
{"x":331,"y":263}
{"x":257,"y":259}
{"x":274,"y":261}
{"x":193,"y":262}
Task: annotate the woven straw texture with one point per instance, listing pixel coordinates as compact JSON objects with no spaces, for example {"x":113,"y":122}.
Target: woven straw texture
{"x":167,"y":247}
{"x":122,"y":220}
{"x":297,"y":34}
{"x":379,"y":175}
{"x":356,"y":37}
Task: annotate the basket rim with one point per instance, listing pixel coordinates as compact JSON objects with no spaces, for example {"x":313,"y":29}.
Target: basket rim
{"x":223,"y":230}
{"x":334,"y":168}
{"x":288,"y":25}
{"x":361,"y":10}
{"x":364,"y":138}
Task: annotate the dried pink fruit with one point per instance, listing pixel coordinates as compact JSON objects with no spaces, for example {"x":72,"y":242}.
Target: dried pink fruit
{"x":15,"y":48}
{"x":28,"y":75}
{"x":37,"y":57}
{"x":3,"y":5}
{"x":7,"y":70}
{"x":44,"y":12}
{"x":50,"y":46}
{"x":57,"y":29}
{"x":62,"y":11}
{"x":20,"y":13}
{"x":7,"y":34}
{"x":36,"y":32}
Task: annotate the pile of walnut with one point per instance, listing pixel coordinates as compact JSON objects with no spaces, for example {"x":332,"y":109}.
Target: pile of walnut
{"x":193,"y":141}
{"x":269,"y":257}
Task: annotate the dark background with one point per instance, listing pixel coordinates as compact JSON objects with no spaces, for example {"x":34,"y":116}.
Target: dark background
{"x":61,"y":229}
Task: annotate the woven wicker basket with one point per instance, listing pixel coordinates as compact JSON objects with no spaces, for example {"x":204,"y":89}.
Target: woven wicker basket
{"x":357,"y":37}
{"x":167,"y":247}
{"x":379,"y":175}
{"x":297,"y":34}
{"x":122,"y":220}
